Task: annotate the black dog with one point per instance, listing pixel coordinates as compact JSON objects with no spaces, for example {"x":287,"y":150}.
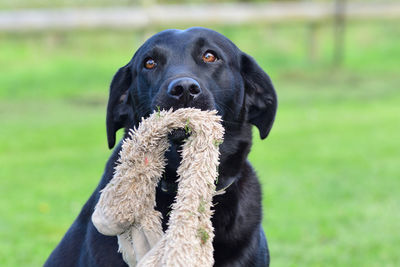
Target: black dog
{"x":197,"y":68}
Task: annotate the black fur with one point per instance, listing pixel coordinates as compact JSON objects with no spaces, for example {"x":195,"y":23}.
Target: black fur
{"x":239,"y":90}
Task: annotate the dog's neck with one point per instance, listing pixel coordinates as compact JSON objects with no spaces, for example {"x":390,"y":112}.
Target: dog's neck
{"x":234,"y":152}
{"x":171,"y":187}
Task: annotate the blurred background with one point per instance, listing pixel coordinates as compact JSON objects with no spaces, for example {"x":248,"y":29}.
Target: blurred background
{"x":329,"y":169}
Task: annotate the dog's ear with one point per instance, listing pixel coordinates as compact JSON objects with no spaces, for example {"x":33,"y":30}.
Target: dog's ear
{"x":260,"y":96}
{"x":119,"y":110}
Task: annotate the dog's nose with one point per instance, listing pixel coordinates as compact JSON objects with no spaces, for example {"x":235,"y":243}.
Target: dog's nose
{"x":184,"y":89}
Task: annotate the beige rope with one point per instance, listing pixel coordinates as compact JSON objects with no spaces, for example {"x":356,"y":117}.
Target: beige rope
{"x":126,"y":205}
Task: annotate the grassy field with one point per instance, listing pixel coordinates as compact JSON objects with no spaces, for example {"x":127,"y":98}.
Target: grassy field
{"x":329,"y":170}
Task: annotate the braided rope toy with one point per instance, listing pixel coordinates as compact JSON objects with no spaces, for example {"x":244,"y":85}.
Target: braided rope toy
{"x":126,"y":204}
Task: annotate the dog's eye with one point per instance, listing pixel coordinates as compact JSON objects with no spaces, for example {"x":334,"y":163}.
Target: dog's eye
{"x":209,"y":57}
{"x":150,"y":63}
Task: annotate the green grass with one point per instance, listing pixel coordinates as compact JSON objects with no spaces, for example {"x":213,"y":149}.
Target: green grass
{"x":329,"y":169}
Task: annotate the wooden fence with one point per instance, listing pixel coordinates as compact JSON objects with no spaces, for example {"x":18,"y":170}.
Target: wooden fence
{"x":173,"y":16}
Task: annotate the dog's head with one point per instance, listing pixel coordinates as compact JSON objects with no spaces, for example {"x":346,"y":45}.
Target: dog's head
{"x":197,"y":68}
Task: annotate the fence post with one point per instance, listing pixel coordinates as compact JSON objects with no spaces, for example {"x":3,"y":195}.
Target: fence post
{"x":311,"y":38}
{"x":312,"y":44}
{"x":339,"y":31}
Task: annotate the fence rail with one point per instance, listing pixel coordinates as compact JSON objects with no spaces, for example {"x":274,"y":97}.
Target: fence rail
{"x":142,"y":17}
